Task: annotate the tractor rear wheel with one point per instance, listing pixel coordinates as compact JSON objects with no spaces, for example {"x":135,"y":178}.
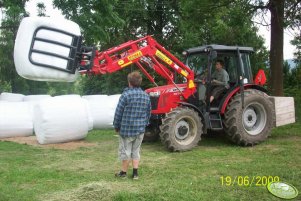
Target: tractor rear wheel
{"x":181,"y":129}
{"x":252,"y":124}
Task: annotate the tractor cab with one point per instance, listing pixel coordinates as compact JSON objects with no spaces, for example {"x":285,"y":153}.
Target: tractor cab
{"x":202,"y":61}
{"x":236,"y":63}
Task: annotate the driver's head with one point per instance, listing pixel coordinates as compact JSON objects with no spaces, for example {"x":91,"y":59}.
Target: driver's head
{"x":219,"y":64}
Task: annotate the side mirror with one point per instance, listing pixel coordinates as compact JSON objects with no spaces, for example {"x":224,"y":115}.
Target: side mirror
{"x":46,"y":49}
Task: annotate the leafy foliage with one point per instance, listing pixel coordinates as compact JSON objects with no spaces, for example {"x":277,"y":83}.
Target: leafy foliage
{"x":14,"y":11}
{"x":176,"y":25}
{"x":97,"y":18}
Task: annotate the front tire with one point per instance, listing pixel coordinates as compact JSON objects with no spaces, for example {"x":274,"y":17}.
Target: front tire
{"x":252,"y":124}
{"x":181,"y":129}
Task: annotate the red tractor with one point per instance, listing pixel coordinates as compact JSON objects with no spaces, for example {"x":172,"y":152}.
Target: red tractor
{"x":181,"y":113}
{"x":52,"y":50}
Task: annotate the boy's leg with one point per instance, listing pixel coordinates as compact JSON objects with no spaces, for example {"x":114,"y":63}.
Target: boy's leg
{"x":136,"y":154}
{"x":124,"y":152}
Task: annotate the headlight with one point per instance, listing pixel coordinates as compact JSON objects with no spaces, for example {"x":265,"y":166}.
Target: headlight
{"x":154,"y":93}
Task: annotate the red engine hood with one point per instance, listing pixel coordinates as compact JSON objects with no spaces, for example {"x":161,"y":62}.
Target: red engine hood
{"x":166,"y":88}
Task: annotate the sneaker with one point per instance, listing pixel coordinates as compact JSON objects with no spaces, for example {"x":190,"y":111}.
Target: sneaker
{"x":120,"y":174}
{"x":135,"y":177}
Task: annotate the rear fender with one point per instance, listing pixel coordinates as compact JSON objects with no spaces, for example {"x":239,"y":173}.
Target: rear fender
{"x":225,"y":101}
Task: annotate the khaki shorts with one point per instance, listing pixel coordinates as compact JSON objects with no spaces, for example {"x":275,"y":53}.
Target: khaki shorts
{"x":129,"y":147}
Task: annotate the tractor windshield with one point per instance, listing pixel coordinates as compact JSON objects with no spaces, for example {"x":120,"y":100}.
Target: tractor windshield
{"x":197,"y":62}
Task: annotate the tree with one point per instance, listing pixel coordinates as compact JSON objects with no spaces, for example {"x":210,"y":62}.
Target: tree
{"x":13,"y":12}
{"x":177,"y":25}
{"x":114,"y":22}
{"x":276,"y":8}
{"x":297,"y":43}
{"x":296,"y":72}
{"x":97,"y":18}
{"x":221,"y":22}
{"x":284,"y":14}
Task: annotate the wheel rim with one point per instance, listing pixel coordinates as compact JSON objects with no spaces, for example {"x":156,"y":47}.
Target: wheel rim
{"x":185,"y":130}
{"x":254,"y":118}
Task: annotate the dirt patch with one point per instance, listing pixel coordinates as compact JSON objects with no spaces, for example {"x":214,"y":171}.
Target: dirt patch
{"x":32,"y":140}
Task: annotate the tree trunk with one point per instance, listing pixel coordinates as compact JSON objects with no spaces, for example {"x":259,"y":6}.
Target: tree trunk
{"x":276,"y":52}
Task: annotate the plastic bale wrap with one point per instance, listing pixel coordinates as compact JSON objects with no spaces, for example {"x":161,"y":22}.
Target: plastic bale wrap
{"x":33,"y":100}
{"x":15,"y":119}
{"x":11,"y":97}
{"x":90,"y":119}
{"x":42,"y":47}
{"x":102,"y":108}
{"x":114,"y":99}
{"x":61,"y":119}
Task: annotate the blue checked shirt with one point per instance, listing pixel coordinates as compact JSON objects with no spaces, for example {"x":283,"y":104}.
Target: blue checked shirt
{"x":133,"y":112}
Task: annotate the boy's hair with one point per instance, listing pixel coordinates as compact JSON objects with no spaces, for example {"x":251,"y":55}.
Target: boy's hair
{"x":220,"y":61}
{"x":135,"y":79}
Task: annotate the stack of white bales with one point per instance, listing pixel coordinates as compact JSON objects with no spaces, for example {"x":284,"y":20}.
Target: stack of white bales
{"x":55,"y":119}
{"x":102,"y":108}
{"x":61,"y":119}
{"x":11,"y":97}
{"x":15,"y":116}
{"x":15,"y":119}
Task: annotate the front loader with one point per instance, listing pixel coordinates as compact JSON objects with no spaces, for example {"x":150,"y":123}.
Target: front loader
{"x":181,"y":110}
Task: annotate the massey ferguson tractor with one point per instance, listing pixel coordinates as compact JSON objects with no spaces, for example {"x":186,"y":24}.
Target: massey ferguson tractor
{"x":181,"y":110}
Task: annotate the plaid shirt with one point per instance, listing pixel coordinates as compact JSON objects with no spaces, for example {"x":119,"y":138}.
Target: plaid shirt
{"x":132,"y":113}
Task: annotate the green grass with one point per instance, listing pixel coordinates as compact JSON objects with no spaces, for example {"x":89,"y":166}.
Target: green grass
{"x":33,"y":173}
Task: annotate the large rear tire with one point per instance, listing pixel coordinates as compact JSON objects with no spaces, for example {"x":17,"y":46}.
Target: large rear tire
{"x":252,"y":124}
{"x":181,"y":129}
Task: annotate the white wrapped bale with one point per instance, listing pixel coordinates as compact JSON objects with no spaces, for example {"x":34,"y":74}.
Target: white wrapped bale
{"x":71,"y":96}
{"x":11,"y":97}
{"x":90,"y":118}
{"x":15,"y":119}
{"x":34,"y":98}
{"x":101,"y":113}
{"x":95,"y":97}
{"x":68,"y":96}
{"x":61,"y":119}
{"x":45,"y":49}
{"x":102,"y":108}
{"x":114,"y":99}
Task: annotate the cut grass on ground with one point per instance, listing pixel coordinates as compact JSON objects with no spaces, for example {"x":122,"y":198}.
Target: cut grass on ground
{"x":33,"y":173}
{"x":87,"y":173}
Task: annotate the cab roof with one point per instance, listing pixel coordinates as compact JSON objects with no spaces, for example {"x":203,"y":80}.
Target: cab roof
{"x":205,"y":48}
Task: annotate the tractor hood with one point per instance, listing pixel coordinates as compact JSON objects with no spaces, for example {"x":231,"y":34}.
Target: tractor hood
{"x":156,"y":91}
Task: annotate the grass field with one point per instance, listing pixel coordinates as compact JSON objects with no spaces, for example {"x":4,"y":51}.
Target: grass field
{"x":87,"y":173}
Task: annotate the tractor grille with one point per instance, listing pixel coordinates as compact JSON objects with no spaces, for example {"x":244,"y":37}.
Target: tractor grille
{"x":154,"y":102}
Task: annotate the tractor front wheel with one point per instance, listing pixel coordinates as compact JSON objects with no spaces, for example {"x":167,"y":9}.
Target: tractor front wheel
{"x":181,"y":129}
{"x":252,"y":124}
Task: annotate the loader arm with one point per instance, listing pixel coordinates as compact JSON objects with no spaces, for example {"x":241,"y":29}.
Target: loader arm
{"x":144,"y":52}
